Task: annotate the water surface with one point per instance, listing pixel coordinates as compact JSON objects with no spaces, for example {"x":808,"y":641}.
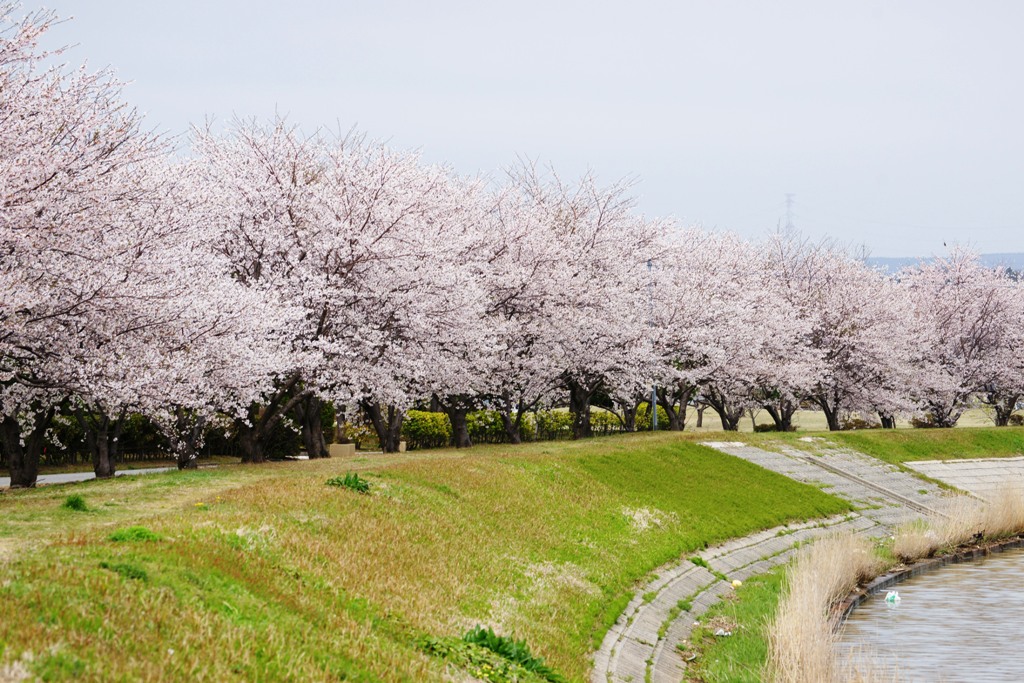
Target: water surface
{"x":958,"y":623}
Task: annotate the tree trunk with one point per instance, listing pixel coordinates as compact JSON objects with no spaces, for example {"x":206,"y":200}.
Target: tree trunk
{"x":388,"y":426}
{"x":700,"y":415}
{"x":23,"y":460}
{"x":579,"y":406}
{"x":1004,"y":409}
{"x":730,"y":416}
{"x":254,"y":432}
{"x":782,"y":414}
{"x":251,"y":443}
{"x":629,"y":412}
{"x":187,"y":437}
{"x":513,"y":428}
{"x":675,"y":405}
{"x":312,"y":428}
{"x":460,"y":429}
{"x":888,"y":421}
{"x":832,"y":417}
{"x":102,"y":434}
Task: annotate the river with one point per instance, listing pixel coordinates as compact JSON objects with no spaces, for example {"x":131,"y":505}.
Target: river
{"x":958,"y":623}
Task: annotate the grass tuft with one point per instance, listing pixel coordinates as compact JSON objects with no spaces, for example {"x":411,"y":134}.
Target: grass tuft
{"x":127,"y":570}
{"x":351,"y":481}
{"x":134,"y":534}
{"x":516,"y":651}
{"x":75,"y":502}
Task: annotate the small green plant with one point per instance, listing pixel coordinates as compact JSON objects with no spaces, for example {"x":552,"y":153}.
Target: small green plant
{"x":513,"y":650}
{"x":133,"y":534}
{"x":128,"y":571}
{"x":700,"y":561}
{"x":75,"y":502}
{"x":351,"y":481}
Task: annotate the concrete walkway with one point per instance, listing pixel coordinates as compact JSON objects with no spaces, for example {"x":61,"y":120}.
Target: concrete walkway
{"x":642,"y":644}
{"x":69,"y":477}
{"x":981,"y":477}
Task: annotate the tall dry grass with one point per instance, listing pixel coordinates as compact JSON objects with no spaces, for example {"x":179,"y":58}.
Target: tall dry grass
{"x":801,"y":637}
{"x":1002,"y":515}
{"x":801,"y":640}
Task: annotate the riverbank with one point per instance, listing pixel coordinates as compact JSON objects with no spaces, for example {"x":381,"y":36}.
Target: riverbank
{"x":286,"y":577}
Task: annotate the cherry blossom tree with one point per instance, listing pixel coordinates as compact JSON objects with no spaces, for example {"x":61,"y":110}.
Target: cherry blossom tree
{"x":970,"y":320}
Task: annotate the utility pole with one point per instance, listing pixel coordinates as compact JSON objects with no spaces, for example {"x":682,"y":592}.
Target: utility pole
{"x":789,"y":210}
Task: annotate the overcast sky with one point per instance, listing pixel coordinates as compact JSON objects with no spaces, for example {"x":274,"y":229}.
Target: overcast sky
{"x":896,"y":125}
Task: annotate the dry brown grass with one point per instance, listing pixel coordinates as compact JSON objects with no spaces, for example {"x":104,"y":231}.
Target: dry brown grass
{"x":1001,"y":516}
{"x":802,"y":637}
{"x":800,"y":644}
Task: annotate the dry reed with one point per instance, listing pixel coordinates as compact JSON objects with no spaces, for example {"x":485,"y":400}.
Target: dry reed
{"x":801,"y":637}
{"x":801,"y":641}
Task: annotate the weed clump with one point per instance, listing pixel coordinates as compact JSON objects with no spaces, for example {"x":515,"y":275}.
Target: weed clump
{"x":134,"y":534}
{"x":128,"y":571}
{"x":75,"y":502}
{"x":351,"y":481}
{"x":515,"y":651}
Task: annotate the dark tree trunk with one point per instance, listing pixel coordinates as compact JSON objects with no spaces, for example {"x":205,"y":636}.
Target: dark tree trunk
{"x":831,"y":416}
{"x":460,"y":428}
{"x":513,"y":428}
{"x":782,"y":414}
{"x":629,"y":411}
{"x":309,"y":411}
{"x":675,"y":402}
{"x":579,"y":406}
{"x":23,"y":459}
{"x":888,"y":421}
{"x":700,"y":414}
{"x":1004,"y":409}
{"x":254,"y":432}
{"x":187,"y":437}
{"x":102,"y":434}
{"x":729,"y":415}
{"x":251,"y":443}
{"x":387,"y":425}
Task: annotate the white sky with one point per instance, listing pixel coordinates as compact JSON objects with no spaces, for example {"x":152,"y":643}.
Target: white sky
{"x":897,"y":125}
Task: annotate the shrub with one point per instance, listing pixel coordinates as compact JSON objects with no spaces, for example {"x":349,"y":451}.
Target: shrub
{"x":423,"y":429}
{"x":850,"y":423}
{"x":351,"y":481}
{"x":770,"y":427}
{"x":75,"y":502}
{"x":553,"y":424}
{"x":513,"y":650}
{"x":603,"y":422}
{"x":643,"y":418}
{"x":327,"y":420}
{"x":1016,"y":420}
{"x":485,"y":426}
{"x":133,"y":534}
{"x":925,"y":422}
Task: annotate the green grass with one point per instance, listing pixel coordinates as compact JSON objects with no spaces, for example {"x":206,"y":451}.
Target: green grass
{"x":75,"y":502}
{"x":738,"y":658}
{"x":897,"y":446}
{"x":287,"y":579}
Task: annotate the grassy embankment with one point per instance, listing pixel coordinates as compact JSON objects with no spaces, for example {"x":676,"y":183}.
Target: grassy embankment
{"x":266,"y":573}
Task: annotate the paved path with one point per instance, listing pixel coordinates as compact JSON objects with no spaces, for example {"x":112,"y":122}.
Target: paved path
{"x":68,"y":477}
{"x":641,"y":645}
{"x":983,"y":478}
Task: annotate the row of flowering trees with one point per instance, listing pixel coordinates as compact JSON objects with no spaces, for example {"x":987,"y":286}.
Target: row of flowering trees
{"x":268,"y":271}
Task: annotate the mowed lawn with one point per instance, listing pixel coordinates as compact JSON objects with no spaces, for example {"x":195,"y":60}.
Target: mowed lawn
{"x":266,"y":573}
